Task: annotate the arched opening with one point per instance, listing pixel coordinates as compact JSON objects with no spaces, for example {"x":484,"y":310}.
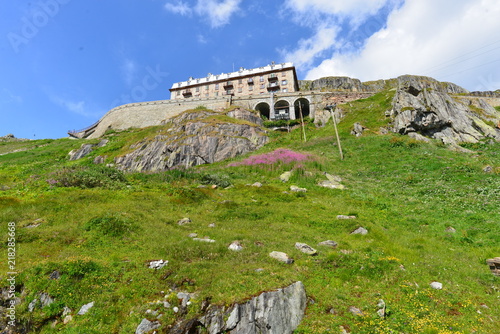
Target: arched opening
{"x":282,"y":110}
{"x":263,"y":109}
{"x":303,"y":104}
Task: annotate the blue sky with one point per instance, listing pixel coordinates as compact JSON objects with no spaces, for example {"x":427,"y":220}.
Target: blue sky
{"x":65,"y":63}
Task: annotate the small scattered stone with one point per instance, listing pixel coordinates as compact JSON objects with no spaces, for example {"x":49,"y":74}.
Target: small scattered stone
{"x":85,"y":308}
{"x":346,"y":217}
{"x":343,"y":330}
{"x":306,"y":249}
{"x":66,"y":311}
{"x":204,"y":239}
{"x":214,"y":186}
{"x":67,"y":319}
{"x":184,"y":221}
{"x":331,"y":185}
{"x":147,"y":326}
{"x":45,"y":299}
{"x":436,"y":285}
{"x":184,"y":297}
{"x":259,"y":270}
{"x":175,"y":309}
{"x":257,"y":184}
{"x":333,"y":178}
{"x":280,"y":256}
{"x":285,"y":177}
{"x":329,"y":243}
{"x":235,"y":246}
{"x":346,"y":251}
{"x":192,"y":235}
{"x":360,"y":230}
{"x":211,"y":225}
{"x":450,"y":229}
{"x":381,"y":308}
{"x":488,"y":169}
{"x":298,"y":189}
{"x":157,"y":264}
{"x":55,"y":274}
{"x":355,"y":311}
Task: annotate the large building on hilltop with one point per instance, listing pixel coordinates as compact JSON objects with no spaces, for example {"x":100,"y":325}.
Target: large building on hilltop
{"x":277,"y":78}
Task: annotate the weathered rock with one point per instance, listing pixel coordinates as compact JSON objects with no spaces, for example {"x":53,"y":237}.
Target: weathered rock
{"x":357,"y":130}
{"x":331,"y":184}
{"x":356,"y":311}
{"x":306,"y":249}
{"x":85,"y":149}
{"x":450,"y":229}
{"x":157,"y":264}
{"x":329,"y":243}
{"x":184,"y":297}
{"x":67,"y":319}
{"x":43,"y":300}
{"x":192,"y":235}
{"x":346,"y":217}
{"x":436,"y":285}
{"x":298,"y":189}
{"x":381,"y":308}
{"x":360,"y":230}
{"x":55,"y":274}
{"x":280,"y":256}
{"x":285,"y":177}
{"x":85,"y":308}
{"x":257,"y":184}
{"x":204,"y":240}
{"x":183,"y":221}
{"x":147,"y":326}
{"x":235,"y":246}
{"x":424,"y":105}
{"x":269,"y":313}
{"x":488,"y":169}
{"x":194,"y":138}
{"x":333,"y":178}
{"x":419,"y":137}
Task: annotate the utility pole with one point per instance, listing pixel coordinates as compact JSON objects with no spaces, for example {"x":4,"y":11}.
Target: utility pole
{"x":332,"y":108}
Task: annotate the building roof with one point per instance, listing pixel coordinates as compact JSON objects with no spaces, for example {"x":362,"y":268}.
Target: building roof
{"x":243,"y":72}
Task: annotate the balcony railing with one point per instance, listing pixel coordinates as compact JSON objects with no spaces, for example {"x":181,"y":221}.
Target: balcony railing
{"x":273,"y":86}
{"x":250,"y":81}
{"x":228,"y":84}
{"x":187,"y":92}
{"x":272,"y":77}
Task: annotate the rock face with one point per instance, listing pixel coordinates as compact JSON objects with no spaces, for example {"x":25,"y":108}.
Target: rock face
{"x":427,"y":107}
{"x":275,"y":312}
{"x":344,"y":84}
{"x":195,"y":138}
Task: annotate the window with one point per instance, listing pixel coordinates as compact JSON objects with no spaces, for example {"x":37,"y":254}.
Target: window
{"x":262,"y":86}
{"x":240,"y":81}
{"x":197,"y":89}
{"x":216,"y":93}
{"x":283,"y":74}
{"x":261,"y":78}
{"x":284,"y":82}
{"x":250,"y":88}
{"x":206,"y":87}
{"x":240,"y":90}
{"x":285,"y":90}
{"x":216,"y":86}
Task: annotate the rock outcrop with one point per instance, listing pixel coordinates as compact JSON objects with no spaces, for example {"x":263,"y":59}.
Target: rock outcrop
{"x":342,"y":84}
{"x":274,"y":312}
{"x":194,"y":138}
{"x":431,"y":108}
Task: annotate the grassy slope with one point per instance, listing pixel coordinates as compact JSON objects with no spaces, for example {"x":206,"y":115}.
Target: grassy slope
{"x":404,"y":192}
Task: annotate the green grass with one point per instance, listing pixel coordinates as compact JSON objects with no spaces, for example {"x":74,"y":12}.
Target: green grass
{"x":406,"y":193}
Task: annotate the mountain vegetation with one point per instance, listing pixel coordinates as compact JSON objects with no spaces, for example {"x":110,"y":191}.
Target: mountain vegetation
{"x":91,"y":234}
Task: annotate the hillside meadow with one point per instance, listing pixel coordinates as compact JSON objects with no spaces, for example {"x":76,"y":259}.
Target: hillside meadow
{"x":432,"y":215}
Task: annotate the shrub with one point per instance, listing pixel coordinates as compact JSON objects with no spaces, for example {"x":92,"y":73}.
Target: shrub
{"x":110,"y":225}
{"x":88,"y":177}
{"x":220,"y":180}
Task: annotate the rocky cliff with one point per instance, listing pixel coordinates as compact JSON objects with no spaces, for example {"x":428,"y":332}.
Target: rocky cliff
{"x":342,"y":84}
{"x":273,"y":312}
{"x":438,"y":110}
{"x":196,"y":137}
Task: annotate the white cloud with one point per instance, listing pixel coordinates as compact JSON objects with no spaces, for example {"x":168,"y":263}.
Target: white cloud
{"x":310,"y":49}
{"x":216,"y":12}
{"x":180,"y":8}
{"x":453,"y":42}
{"x":354,"y":11}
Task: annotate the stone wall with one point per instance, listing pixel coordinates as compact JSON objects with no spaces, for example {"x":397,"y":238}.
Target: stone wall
{"x":140,"y":115}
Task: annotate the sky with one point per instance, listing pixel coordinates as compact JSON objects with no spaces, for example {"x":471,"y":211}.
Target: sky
{"x":65,"y":63}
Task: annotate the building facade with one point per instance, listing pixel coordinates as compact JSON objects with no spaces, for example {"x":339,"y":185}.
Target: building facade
{"x":273,"y":78}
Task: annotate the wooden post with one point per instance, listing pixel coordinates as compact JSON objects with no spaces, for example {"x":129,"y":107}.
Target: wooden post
{"x":302,"y":121}
{"x":336,"y":131}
